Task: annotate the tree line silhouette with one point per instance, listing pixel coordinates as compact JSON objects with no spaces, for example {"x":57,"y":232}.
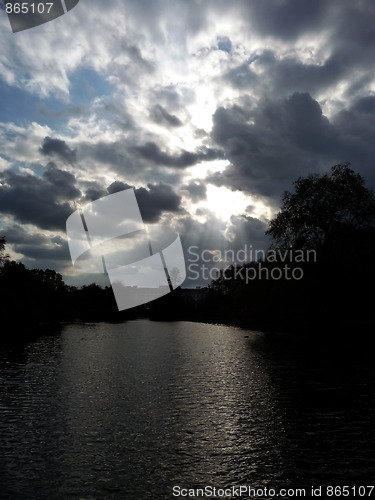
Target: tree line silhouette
{"x":332,"y":215}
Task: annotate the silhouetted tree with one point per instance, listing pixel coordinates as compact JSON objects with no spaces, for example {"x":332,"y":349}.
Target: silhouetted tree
{"x":334,"y":214}
{"x":323,"y":209}
{"x":3,"y":256}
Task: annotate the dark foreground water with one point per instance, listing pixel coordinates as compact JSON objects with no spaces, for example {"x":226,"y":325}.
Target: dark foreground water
{"x":128,"y":411}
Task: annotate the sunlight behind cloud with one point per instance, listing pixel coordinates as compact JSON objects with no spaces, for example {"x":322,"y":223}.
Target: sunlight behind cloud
{"x":202,"y":110}
{"x":203,"y":169}
{"x":224,"y":203}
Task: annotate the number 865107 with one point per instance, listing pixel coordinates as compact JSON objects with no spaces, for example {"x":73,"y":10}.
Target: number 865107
{"x":26,"y":8}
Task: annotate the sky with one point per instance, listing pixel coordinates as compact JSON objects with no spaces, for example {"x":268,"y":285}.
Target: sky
{"x":209,"y":109}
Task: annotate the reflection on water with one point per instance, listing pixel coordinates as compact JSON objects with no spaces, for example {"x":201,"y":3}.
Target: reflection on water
{"x":129,"y":410}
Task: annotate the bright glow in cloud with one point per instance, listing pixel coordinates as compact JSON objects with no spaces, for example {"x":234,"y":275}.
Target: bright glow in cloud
{"x":224,"y":203}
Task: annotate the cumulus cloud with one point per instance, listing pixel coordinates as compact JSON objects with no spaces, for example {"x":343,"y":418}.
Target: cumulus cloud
{"x":273,"y":142}
{"x":151,"y":151}
{"x":51,"y":250}
{"x":58,"y":148}
{"x":152,"y":202}
{"x":160,"y":115}
{"x":287,"y":20}
{"x":196,"y":190}
{"x":42,"y":201}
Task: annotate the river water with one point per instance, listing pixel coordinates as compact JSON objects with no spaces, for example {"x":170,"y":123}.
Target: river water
{"x":128,"y":411}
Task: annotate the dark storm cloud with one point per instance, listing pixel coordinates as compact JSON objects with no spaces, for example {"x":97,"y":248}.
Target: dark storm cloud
{"x":58,"y":148}
{"x":154,"y":201}
{"x":38,"y":247}
{"x":263,"y":157}
{"x":353,"y":38}
{"x":157,"y":199}
{"x":244,"y":229}
{"x":93,"y":191}
{"x":283,"y":76}
{"x":43,"y":201}
{"x":160,"y":115}
{"x":347,"y":31}
{"x":272,"y":143}
{"x":305,"y":123}
{"x":63,"y":183}
{"x":242,"y":76}
{"x":151,"y":151}
{"x":117,"y":186}
{"x":356,"y":130}
{"x":287,"y":19}
{"x":196,"y":190}
{"x":292,"y":75}
{"x":366,"y":106}
{"x":138,"y":162}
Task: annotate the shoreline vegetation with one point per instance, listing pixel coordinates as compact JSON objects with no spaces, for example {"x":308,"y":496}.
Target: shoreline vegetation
{"x":331,"y":215}
{"x":37,"y":301}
